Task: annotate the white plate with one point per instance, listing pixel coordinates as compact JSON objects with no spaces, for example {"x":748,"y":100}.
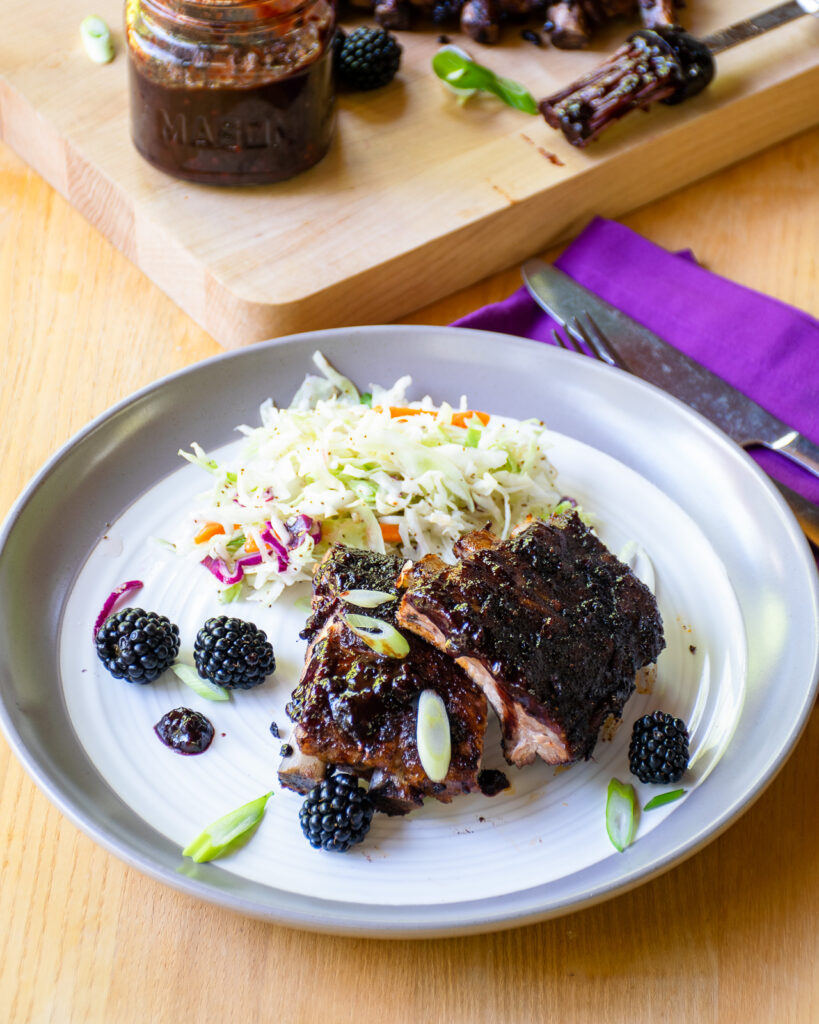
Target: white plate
{"x":728,"y":560}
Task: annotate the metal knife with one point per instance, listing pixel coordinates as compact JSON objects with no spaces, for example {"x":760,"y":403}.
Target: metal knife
{"x":646,"y":355}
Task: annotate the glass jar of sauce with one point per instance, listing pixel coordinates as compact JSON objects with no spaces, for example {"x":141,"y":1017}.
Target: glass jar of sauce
{"x":231,"y":92}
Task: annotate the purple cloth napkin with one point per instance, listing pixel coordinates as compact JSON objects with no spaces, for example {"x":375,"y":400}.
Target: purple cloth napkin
{"x":766,"y":349}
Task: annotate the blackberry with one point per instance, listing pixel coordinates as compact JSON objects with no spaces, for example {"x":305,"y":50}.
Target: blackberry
{"x":336,"y":814}
{"x":446,"y":12}
{"x":338,"y":42}
{"x":137,"y":645}
{"x":658,"y":751}
{"x":233,"y":653}
{"x":368,"y":58}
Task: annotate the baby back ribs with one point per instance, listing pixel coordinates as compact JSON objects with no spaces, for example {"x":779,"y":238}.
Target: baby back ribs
{"x":573,"y":22}
{"x":548,"y":623}
{"x":357,"y":708}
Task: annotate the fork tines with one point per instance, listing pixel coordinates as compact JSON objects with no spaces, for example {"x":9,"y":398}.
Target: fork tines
{"x":589,"y":333}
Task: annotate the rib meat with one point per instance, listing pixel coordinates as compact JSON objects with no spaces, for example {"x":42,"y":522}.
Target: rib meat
{"x":571,"y":23}
{"x":549,"y":624}
{"x":357,"y":708}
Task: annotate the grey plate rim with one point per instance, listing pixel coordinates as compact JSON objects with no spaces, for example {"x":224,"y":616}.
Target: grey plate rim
{"x":141,"y":847}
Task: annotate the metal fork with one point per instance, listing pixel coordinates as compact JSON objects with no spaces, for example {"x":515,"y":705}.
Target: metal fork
{"x":601,"y":348}
{"x":593,"y":338}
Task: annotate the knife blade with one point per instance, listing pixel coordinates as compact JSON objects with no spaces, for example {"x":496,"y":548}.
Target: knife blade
{"x":646,"y":355}
{"x":660,"y":363}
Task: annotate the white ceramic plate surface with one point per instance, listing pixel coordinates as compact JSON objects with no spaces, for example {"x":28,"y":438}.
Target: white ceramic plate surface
{"x":735,"y":581}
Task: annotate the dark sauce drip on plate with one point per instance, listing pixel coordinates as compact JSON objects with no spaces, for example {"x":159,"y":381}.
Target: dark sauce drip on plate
{"x":185,"y":731}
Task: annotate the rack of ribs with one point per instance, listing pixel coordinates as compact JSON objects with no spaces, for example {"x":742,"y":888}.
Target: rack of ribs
{"x":549,"y":624}
{"x":357,"y":708}
{"x":571,"y":24}
{"x":574,"y":22}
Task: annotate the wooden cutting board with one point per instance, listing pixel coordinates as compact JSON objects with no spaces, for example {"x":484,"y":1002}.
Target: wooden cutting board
{"x":417,"y":197}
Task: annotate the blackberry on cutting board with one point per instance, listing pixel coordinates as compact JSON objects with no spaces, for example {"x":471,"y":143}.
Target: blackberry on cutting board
{"x":336,"y":814}
{"x":137,"y":645}
{"x":368,"y":58}
{"x":338,"y":42}
{"x":658,"y":751}
{"x":232,"y":653}
{"x":446,"y":12}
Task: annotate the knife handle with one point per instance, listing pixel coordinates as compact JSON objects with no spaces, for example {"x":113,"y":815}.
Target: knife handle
{"x":807,"y":514}
{"x":800,"y":450}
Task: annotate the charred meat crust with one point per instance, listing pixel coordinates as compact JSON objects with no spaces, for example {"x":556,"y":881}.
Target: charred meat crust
{"x":357,"y":708}
{"x":549,"y":623}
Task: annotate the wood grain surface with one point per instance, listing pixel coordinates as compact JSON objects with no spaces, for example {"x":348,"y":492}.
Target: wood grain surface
{"x":368,"y":234}
{"x":728,"y":936}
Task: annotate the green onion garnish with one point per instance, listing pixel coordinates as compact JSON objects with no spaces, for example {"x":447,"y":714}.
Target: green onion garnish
{"x":621,"y":814}
{"x":432,"y":736}
{"x":664,"y":798}
{"x":203,"y":687}
{"x":228,"y":833}
{"x":381,"y":636}
{"x":454,"y":67}
{"x":367,"y":598}
{"x":231,"y":593}
{"x":96,"y":38}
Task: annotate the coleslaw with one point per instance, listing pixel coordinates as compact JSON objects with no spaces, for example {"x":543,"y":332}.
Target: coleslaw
{"x":372,"y":470}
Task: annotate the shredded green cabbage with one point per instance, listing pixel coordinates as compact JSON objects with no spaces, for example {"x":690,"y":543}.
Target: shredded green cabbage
{"x":361,"y":473}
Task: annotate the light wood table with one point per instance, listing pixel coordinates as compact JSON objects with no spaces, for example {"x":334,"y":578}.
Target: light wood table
{"x":730,"y":935}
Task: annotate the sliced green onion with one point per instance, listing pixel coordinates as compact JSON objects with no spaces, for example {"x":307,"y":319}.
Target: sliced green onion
{"x":203,"y":687}
{"x":228,"y":833}
{"x":455,"y":67}
{"x":231,"y":593}
{"x":664,"y":798}
{"x":96,"y":38}
{"x":365,"y":398}
{"x":621,"y":814}
{"x":561,"y":507}
{"x":383,"y":637}
{"x":367,"y":598}
{"x":432,"y":736}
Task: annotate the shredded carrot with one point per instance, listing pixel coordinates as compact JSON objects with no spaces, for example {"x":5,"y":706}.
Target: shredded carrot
{"x":390,"y":533}
{"x":251,"y":546}
{"x":208,"y":530}
{"x":459,"y":418}
{"x":400,"y":411}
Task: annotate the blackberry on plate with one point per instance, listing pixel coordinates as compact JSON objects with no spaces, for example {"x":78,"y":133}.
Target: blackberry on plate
{"x":658,"y":751}
{"x":336,"y":814}
{"x":233,"y":653}
{"x":368,"y":58}
{"x":137,"y":645}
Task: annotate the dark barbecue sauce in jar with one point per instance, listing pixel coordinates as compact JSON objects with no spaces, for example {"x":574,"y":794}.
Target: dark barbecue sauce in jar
{"x":231,"y":92}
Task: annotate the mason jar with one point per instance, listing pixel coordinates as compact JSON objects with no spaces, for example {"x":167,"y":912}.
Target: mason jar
{"x":231,"y":92}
